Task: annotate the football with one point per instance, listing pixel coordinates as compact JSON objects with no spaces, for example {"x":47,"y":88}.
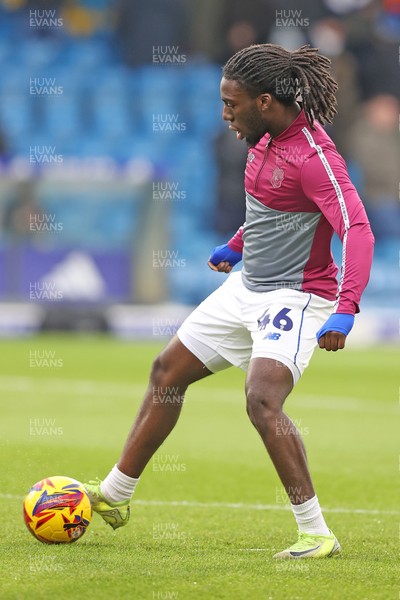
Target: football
{"x":57,"y":510}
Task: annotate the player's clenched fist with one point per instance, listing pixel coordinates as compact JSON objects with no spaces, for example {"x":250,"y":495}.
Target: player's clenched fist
{"x":332,"y":335}
{"x":223,"y":259}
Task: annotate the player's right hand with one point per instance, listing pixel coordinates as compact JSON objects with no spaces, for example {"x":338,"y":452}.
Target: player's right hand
{"x":223,"y":259}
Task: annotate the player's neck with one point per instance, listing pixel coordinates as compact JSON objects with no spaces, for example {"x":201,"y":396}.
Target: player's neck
{"x":284,"y":119}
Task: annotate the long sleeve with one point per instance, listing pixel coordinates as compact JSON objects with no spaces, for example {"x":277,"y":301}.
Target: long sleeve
{"x":236,"y":242}
{"x":326,"y":182}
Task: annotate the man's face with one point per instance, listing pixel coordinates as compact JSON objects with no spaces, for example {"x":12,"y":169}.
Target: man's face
{"x":242,"y":112}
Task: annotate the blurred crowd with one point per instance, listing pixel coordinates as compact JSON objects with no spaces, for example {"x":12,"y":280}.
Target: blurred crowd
{"x":361,"y":37}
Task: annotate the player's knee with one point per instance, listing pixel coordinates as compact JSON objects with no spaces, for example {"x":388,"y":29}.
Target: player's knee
{"x":261,"y":406}
{"x":159,"y":371}
{"x":163,"y":375}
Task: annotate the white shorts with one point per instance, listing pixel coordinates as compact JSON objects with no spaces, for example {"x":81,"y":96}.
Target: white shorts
{"x":234,"y":325}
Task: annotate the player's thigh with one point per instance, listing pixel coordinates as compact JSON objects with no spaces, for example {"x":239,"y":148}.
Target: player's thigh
{"x":286,"y":326}
{"x":177,"y":365}
{"x":215,"y":331}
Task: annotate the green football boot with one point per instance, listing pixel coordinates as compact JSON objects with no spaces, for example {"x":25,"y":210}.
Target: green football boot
{"x":312,"y":546}
{"x":115,"y":514}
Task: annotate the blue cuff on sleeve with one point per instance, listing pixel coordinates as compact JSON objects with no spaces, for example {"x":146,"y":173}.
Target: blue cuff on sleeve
{"x":224,"y":253}
{"x":339,"y":322}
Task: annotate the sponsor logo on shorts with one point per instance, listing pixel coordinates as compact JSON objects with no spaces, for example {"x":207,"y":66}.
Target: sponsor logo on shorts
{"x":271,"y":335}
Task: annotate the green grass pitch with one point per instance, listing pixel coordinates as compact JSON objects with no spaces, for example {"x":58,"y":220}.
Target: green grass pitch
{"x":207,"y":525}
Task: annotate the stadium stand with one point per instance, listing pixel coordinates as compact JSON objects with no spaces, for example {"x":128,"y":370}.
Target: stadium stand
{"x":66,"y":99}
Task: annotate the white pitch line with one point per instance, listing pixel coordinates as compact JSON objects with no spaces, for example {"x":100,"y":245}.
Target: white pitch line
{"x":238,"y":506}
{"x":242,"y":506}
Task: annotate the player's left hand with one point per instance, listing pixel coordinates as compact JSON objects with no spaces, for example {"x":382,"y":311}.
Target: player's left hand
{"x":332,"y":335}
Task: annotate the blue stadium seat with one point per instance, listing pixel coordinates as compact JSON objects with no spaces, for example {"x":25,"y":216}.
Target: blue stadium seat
{"x":110,"y":116}
{"x":181,"y":223}
{"x":15,"y":113}
{"x":157,"y":91}
{"x":205,"y":118}
{"x":193,"y":282}
{"x":86,"y":54}
{"x":62,"y":114}
{"x":112,"y":80}
{"x":145,"y":147}
{"x":160,"y":79}
{"x":37,"y":52}
{"x":5,"y":52}
{"x":122,"y":148}
{"x":15,"y":79}
{"x":70,"y":79}
{"x":202,"y":81}
{"x":93,"y":145}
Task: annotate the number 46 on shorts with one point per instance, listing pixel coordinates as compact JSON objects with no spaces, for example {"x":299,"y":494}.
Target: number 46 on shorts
{"x":281,"y":321}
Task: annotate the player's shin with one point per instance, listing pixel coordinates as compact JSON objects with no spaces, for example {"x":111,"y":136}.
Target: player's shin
{"x":157,"y":417}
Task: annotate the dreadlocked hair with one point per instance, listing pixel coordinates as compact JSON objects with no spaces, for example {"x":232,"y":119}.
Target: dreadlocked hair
{"x":302,"y":75}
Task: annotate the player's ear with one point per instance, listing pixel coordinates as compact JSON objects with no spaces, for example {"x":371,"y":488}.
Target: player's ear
{"x":264,"y":101}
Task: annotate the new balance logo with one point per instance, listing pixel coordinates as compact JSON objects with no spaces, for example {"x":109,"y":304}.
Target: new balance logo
{"x":272,"y":336}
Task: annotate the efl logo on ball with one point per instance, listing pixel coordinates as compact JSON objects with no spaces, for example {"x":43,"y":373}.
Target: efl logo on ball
{"x":57,"y":510}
